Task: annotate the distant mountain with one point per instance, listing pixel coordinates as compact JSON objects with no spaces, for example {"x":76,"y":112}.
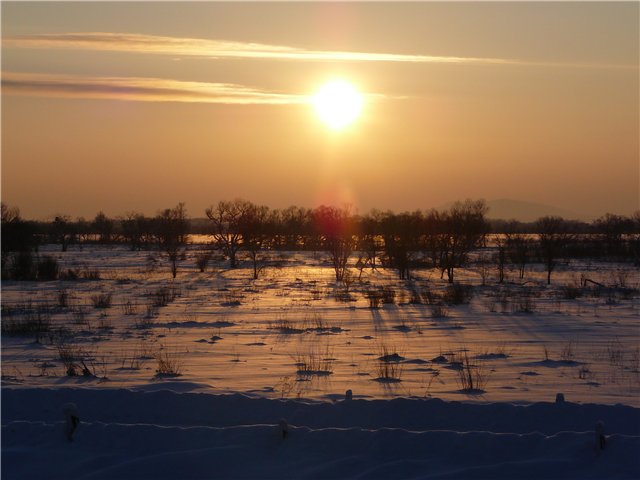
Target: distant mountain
{"x":507,"y":209}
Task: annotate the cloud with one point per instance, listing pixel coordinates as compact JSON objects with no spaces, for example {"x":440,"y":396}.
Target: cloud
{"x":141,"y":89}
{"x":137,"y":43}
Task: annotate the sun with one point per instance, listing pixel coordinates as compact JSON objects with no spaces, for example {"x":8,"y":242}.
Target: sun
{"x":338,"y":104}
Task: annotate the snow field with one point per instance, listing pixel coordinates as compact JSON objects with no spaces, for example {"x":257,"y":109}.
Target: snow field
{"x":165,"y":434}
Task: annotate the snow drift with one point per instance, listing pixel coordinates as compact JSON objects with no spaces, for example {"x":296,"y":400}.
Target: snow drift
{"x":166,"y":434}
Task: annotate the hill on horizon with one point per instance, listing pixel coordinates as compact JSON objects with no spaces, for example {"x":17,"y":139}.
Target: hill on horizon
{"x":508,"y":209}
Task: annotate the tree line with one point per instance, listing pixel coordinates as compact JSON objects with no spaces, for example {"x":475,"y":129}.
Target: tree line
{"x":242,"y":230}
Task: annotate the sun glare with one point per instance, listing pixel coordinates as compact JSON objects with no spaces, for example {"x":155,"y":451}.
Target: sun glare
{"x":338,"y":104}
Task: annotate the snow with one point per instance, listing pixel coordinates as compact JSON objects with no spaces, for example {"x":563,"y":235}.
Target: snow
{"x":239,"y":345}
{"x":166,"y":434}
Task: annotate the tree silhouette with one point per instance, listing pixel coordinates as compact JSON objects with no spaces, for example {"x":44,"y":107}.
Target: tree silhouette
{"x":18,"y":241}
{"x":227,"y":218}
{"x":336,"y":232}
{"x":104,"y":227}
{"x":462,"y":229}
{"x":254,"y":226}
{"x":401,"y":233}
{"x":63,"y":231}
{"x":519,"y":246}
{"x":553,"y":238}
{"x":136,"y":230}
{"x":171,"y":232}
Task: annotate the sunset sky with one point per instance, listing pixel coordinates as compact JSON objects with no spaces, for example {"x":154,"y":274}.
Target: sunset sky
{"x":138,"y":106}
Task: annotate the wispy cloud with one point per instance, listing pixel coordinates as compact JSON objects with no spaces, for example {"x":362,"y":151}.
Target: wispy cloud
{"x":141,"y":89}
{"x":126,"y":42}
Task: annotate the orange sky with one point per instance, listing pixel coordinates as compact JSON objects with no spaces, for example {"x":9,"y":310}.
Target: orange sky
{"x":121,"y":107}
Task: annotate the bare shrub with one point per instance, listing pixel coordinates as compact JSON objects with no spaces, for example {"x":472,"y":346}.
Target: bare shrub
{"x":435,"y":373}
{"x":389,"y":369}
{"x":615,"y":353}
{"x":168,"y":363}
{"x":414,"y":297}
{"x":74,"y":359}
{"x":151,"y":311}
{"x":567,"y":353}
{"x":389,"y":372}
{"x":439,"y":311}
{"x":62,"y":298}
{"x":145,"y":350}
{"x":472,"y":377}
{"x":130,"y":362}
{"x":129,"y":308}
{"x":79,"y":316}
{"x":375,"y":298}
{"x":69,"y":274}
{"x":90,"y":274}
{"x":584,"y":373}
{"x":189,"y":315}
{"x":202,"y":260}
{"x":315,"y":362}
{"x":21,"y":267}
{"x":232,"y":298}
{"x":101,"y":300}
{"x":342,"y":294}
{"x":458,"y":294}
{"x":48,"y":268}
{"x":490,"y":304}
{"x":285,"y":326}
{"x":501,"y":350}
{"x":403,"y":326}
{"x":388,"y":295}
{"x":402,"y":297}
{"x":136,"y":359}
{"x":635,"y":360}
{"x":619,"y":278}
{"x":430,"y":297}
{"x":26,"y":320}
{"x":164,"y":296}
{"x":523,"y":303}
{"x":104,"y":322}
{"x":285,"y":386}
{"x":317,"y":322}
{"x":146,"y":321}
{"x":570,"y":292}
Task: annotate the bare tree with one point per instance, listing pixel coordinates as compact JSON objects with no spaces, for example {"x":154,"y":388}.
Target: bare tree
{"x":9,"y":214}
{"x":519,"y":246}
{"x":401,"y":233}
{"x":171,"y":232}
{"x":295,"y":227}
{"x":254,"y":227}
{"x":337,"y":236}
{"x":135,"y":230}
{"x":430,"y":237}
{"x":104,"y":227}
{"x":63,"y":231}
{"x":370,"y":244}
{"x":634,"y":237}
{"x":462,"y":229}
{"x":501,"y":255}
{"x":553,"y":238}
{"x":612,"y":230}
{"x":19,"y":239}
{"x":227,"y":218}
